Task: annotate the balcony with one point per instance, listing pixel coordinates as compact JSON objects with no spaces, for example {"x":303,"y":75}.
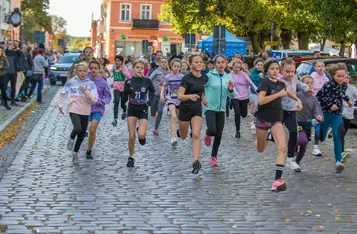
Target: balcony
{"x":145,"y":24}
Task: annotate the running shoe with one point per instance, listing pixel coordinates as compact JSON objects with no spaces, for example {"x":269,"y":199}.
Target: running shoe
{"x":173,"y":141}
{"x":252,"y":127}
{"x":115,"y":123}
{"x":339,"y":167}
{"x":270,"y":136}
{"x":213,"y":161}
{"x":196,"y":167}
{"x":345,"y":156}
{"x":123,"y":116}
{"x":131,"y":162}
{"x":75,"y":158}
{"x":237,"y":135}
{"x":316,"y":152}
{"x":278,"y":186}
{"x":290,"y":162}
{"x":142,"y":141}
{"x":70,"y":144}
{"x":298,"y":169}
{"x":208,"y":140}
{"x":156,"y":132}
{"x":89,"y":154}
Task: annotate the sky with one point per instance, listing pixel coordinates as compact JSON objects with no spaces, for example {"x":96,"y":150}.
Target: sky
{"x":78,"y":14}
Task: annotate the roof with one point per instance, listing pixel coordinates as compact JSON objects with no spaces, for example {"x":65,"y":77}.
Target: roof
{"x":229,"y":38}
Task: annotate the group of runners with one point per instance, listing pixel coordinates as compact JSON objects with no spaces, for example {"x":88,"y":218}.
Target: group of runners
{"x":194,"y":88}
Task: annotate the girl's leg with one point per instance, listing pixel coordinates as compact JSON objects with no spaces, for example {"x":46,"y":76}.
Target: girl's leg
{"x":143,"y":126}
{"x":338,"y":134}
{"x":80,"y":136}
{"x":196,"y":143}
{"x":237,"y":112}
{"x":116,"y":103}
{"x":77,"y":127}
{"x":324,"y":126}
{"x":317,"y":151}
{"x":302,"y":143}
{"x":279,"y":136}
{"x":243,"y":104}
{"x":154,"y":105}
{"x":92,"y":133}
{"x":346,"y":125}
{"x":123,"y":105}
{"x":261,"y":139}
{"x":131,"y":128}
{"x":291,"y":124}
{"x":227,"y":106}
{"x":219,"y":131}
{"x":173,"y":114}
{"x":183,"y":129}
{"x":159,"y":115}
{"x":211,"y":122}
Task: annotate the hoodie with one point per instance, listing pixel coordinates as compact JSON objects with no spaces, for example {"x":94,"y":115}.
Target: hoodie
{"x":319,"y":81}
{"x":216,"y":91}
{"x":331,"y":94}
{"x":104,"y":95}
{"x":241,"y":84}
{"x":293,"y":85}
{"x":255,"y":77}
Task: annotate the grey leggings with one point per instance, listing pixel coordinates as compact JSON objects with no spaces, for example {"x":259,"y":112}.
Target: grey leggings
{"x":160,"y":110}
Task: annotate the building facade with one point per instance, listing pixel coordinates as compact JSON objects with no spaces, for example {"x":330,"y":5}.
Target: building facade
{"x":132,"y":27}
{"x":4,"y":26}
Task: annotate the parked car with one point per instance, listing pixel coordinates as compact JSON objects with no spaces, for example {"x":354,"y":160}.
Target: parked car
{"x":60,"y":69}
{"x":280,"y":54}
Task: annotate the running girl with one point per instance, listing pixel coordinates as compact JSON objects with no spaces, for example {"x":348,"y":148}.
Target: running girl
{"x":172,"y":83}
{"x":82,"y":93}
{"x":185,"y":68}
{"x":97,"y":109}
{"x":219,"y":85}
{"x":331,"y":98}
{"x":120,"y":74}
{"x":270,"y":116}
{"x":190,"y":110}
{"x":242,"y":83}
{"x":137,"y":90}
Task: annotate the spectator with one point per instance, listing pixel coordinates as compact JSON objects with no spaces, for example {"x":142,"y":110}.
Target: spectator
{"x":28,"y":74}
{"x":22,"y":67}
{"x":39,"y":65}
{"x":3,"y":67}
{"x":11,"y":72}
{"x":2,"y":45}
{"x":317,"y":54}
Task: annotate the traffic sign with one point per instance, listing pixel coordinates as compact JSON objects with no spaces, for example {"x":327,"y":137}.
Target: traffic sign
{"x":271,"y":43}
{"x":123,"y":37}
{"x":165,"y":38}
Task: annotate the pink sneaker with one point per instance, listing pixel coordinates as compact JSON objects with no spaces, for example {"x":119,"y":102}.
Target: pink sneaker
{"x":213,"y":161}
{"x":208,"y":140}
{"x":157,"y":113}
{"x":278,"y":186}
{"x":156,"y":132}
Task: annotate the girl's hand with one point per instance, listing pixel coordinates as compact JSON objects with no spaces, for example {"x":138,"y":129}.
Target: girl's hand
{"x":283,"y":93}
{"x":299,"y":106}
{"x":310,"y":91}
{"x":204,"y":101}
{"x":61,"y":111}
{"x":350,"y":104}
{"x":230,"y":85}
{"x":194,"y":97}
{"x":319,"y":118}
{"x":162,"y":100}
{"x":334,"y":107}
{"x":261,"y":75}
{"x":83,"y":88}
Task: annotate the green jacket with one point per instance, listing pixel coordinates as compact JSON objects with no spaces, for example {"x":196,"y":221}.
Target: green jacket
{"x":4,"y":65}
{"x":255,"y":77}
{"x":216,"y":91}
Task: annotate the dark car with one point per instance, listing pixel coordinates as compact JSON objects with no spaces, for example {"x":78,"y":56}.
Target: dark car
{"x":60,"y":69}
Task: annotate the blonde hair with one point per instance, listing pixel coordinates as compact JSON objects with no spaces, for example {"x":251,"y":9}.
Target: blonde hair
{"x":237,"y":60}
{"x":82,"y":64}
{"x":307,"y":77}
{"x":337,"y":67}
{"x":176,"y":60}
{"x":137,"y":62}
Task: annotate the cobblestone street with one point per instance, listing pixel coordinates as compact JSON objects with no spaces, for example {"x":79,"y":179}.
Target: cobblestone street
{"x":42,"y":192}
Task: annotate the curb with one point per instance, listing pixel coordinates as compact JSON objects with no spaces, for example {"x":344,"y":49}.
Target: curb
{"x":15,"y":116}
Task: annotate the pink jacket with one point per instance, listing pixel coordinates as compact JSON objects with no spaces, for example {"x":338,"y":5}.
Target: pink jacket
{"x":242,"y":83}
{"x":119,"y":85}
{"x":319,"y":81}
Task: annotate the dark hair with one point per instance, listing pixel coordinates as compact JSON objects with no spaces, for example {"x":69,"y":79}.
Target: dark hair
{"x":95,"y":62}
{"x":288,"y":61}
{"x":159,"y":51}
{"x":316,"y":52}
{"x":88,"y":47}
{"x":121,"y":58}
{"x":258,"y":60}
{"x":210,"y":62}
{"x":220,"y":56}
{"x":29,"y":49}
{"x":268,"y":63}
{"x":190,"y":58}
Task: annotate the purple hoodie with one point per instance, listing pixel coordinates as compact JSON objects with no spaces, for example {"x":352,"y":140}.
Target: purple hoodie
{"x":242,"y":83}
{"x":104,"y":95}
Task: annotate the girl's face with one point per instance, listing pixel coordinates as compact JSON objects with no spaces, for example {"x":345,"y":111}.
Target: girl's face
{"x":164,"y":64}
{"x":94,"y":69}
{"x":118,"y":62}
{"x":320,"y":68}
{"x":309,"y":82}
{"x":221,"y":64}
{"x":82,"y":72}
{"x":158,"y":56}
{"x":101,"y":61}
{"x":340,"y":76}
{"x":259,"y":66}
{"x":273,"y":71}
{"x":288,"y":71}
{"x":237,"y":67}
{"x":210,"y":66}
{"x":184,"y":67}
{"x":88,"y":53}
{"x":139,"y":70}
{"x":197,"y":64}
{"x":175,"y":68}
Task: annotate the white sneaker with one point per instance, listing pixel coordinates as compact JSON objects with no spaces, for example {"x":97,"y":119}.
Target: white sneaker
{"x":75,"y":158}
{"x":290,"y":162}
{"x":252,"y":127}
{"x":317,"y":152}
{"x":173,"y":141}
{"x":70,"y":144}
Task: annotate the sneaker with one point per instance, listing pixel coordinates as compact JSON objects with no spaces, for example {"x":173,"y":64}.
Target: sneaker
{"x":143,"y":141}
{"x":278,"y":186}
{"x":237,"y":135}
{"x":196,"y":167}
{"x":213,"y":161}
{"x":290,"y":162}
{"x":70,"y":144}
{"x":173,"y":141}
{"x":298,"y":169}
{"x":208,"y":140}
{"x":86,"y":135}
{"x":75,"y":158}
{"x":270,"y":136}
{"x":131,"y":162}
{"x":345,"y":156}
{"x":329,"y":134}
{"x":89,"y":154}
{"x":252,"y":127}
{"x":339,"y":167}
{"x":115,"y":123}
{"x":317,"y":152}
{"x":156,"y":132}
{"x":123,"y":116}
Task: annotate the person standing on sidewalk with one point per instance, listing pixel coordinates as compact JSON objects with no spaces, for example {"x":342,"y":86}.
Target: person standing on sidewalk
{"x":29,"y":71}
{"x":11,"y":72}
{"x":4,"y":64}
{"x":39,"y":64}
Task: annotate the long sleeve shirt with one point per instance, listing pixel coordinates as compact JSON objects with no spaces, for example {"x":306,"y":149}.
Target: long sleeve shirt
{"x":39,"y":64}
{"x":157,"y":77}
{"x":242,"y":82}
{"x":331,"y":94}
{"x":292,"y":85}
{"x":319,"y":81}
{"x":137,"y":90}
{"x":104,"y":95}
{"x":351,"y":92}
{"x":311,"y":107}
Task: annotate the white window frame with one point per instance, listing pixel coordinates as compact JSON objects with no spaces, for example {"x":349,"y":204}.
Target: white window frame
{"x":141,"y":11}
{"x":121,"y":9}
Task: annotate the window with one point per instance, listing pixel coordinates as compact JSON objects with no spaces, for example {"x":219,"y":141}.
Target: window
{"x":145,"y":12}
{"x":304,"y":69}
{"x":125,"y":12}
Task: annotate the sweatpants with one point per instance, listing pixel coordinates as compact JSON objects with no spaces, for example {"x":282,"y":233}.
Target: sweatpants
{"x":289,"y":120}
{"x":160,"y":110}
{"x":335,"y":121}
{"x":3,"y":88}
{"x":240,"y":110}
{"x":215,"y":124}
{"x":118,"y":98}
{"x":80,"y":124}
{"x":346,"y":126}
{"x":303,"y":140}
{"x":13,"y":79}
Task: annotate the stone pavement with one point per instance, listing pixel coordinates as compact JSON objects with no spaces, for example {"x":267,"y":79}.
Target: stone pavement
{"x":42,"y":192}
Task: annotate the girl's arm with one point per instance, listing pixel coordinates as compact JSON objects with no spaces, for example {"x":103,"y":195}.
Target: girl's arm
{"x":60,"y":100}
{"x":250,"y":82}
{"x":107,"y":96}
{"x":294,"y":97}
{"x":182,"y":97}
{"x":92,"y":95}
{"x":126,"y":91}
{"x":263,"y":99}
{"x":163,"y":90}
{"x":126,"y":72}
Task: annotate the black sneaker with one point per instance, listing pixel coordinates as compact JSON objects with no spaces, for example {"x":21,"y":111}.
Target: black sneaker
{"x":191,"y":134}
{"x":196,"y":167}
{"x":237,"y":134}
{"x":298,"y":170}
{"x":13,"y":103}
{"x":115,"y":122}
{"x":131,"y":162}
{"x":123,"y":116}
{"x":89,"y":154}
{"x":143,"y":141}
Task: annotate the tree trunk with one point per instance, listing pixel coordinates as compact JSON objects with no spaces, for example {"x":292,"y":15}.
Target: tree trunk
{"x":303,"y":38}
{"x":342,"y":50}
{"x":286,"y":37}
{"x":322,"y":44}
{"x":255,"y":42}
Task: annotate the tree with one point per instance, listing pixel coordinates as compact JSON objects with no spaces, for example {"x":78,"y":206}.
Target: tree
{"x":58,"y":24}
{"x":78,"y":43}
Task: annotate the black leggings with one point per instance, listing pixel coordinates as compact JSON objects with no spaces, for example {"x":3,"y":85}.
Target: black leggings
{"x":346,"y":126}
{"x":240,"y":110}
{"x":3,"y":88}
{"x":80,"y":124}
{"x":118,"y":98}
{"x":215,"y":124}
{"x":291,"y":124}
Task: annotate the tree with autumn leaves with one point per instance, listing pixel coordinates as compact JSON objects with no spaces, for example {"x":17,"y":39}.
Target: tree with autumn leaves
{"x":306,"y":20}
